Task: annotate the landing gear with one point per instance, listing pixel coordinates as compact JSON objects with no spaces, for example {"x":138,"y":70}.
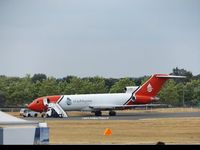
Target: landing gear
{"x":98,"y":113}
{"x":112,"y":113}
{"x":43,"y":114}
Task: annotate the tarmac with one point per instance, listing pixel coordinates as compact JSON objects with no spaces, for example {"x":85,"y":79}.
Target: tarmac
{"x":125,"y":116}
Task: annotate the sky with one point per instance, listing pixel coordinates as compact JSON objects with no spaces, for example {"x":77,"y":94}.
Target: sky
{"x":108,"y":38}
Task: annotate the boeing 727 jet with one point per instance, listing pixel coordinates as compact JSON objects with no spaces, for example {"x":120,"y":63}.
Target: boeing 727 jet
{"x":96,"y":103}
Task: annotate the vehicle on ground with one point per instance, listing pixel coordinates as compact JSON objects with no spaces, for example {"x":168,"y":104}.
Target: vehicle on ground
{"x":28,"y":113}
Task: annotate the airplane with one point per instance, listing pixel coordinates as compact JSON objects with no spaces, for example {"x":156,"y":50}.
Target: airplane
{"x":135,"y":96}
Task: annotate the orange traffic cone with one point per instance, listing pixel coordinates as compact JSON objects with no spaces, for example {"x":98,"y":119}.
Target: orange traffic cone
{"x":107,"y":132}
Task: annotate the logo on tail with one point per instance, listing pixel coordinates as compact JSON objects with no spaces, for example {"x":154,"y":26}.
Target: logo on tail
{"x":149,"y":88}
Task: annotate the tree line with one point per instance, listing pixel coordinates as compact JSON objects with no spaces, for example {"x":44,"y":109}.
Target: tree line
{"x":16,"y":91}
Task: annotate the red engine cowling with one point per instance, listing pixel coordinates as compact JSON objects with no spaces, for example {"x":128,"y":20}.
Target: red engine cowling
{"x":145,"y":99}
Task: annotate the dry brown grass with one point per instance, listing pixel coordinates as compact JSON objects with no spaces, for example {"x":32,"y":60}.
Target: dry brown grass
{"x":170,"y":131}
{"x":148,"y":131}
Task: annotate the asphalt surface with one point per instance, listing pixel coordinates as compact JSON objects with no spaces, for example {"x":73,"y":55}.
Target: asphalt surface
{"x":126,"y":116}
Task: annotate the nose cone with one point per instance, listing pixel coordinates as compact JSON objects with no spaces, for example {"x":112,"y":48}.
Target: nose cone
{"x":31,"y":106}
{"x":36,"y":105}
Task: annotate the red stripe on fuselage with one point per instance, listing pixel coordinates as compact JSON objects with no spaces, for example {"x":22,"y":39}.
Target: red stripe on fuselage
{"x":53,"y":99}
{"x":130,"y":102}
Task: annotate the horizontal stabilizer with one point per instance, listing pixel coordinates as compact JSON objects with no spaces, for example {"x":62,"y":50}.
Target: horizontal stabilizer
{"x":169,"y":76}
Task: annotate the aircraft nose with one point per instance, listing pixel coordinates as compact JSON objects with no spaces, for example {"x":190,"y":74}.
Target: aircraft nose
{"x":30,"y":106}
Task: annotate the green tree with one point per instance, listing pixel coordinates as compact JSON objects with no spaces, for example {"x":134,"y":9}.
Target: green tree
{"x":169,"y":94}
{"x":39,"y":77}
{"x":188,"y":92}
{"x":182,"y":72}
{"x":196,"y":77}
{"x":196,"y":93}
{"x":69,"y":78}
{"x":36,"y":89}
{"x":144,"y":79}
{"x":2,"y":89}
{"x":2,"y":99}
{"x":192,"y":92}
{"x":110,"y":82}
{"x":180,"y":91}
{"x":76,"y":86}
{"x":48,"y":87}
{"x":97,"y":85}
{"x":62,"y":85}
{"x":20,"y":92}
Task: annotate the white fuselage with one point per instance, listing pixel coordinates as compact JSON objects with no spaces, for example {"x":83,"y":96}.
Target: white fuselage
{"x":84,"y":101}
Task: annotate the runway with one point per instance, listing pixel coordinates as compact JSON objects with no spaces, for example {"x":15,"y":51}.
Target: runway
{"x":126,"y":116}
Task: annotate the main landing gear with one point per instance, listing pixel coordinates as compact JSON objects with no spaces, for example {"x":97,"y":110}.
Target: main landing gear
{"x":112,"y":113}
{"x":99,"y":113}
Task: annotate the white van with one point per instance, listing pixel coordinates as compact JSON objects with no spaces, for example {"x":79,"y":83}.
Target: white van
{"x":28,"y":113}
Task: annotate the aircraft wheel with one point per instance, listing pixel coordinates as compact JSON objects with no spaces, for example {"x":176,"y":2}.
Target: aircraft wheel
{"x":42,"y":115}
{"x":112,"y":113}
{"x":47,"y":116}
{"x":98,"y":113}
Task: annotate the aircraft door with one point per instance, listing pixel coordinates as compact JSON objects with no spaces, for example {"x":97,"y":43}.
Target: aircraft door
{"x":46,"y":101}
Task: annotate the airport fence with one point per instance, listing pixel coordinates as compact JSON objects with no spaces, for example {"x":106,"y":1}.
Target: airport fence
{"x":11,"y":109}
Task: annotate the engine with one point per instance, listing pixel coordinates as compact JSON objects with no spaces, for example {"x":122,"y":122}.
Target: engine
{"x":130,"y":89}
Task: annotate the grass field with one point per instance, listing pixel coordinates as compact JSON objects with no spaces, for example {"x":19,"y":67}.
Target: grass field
{"x":147,"y":131}
{"x":170,"y":131}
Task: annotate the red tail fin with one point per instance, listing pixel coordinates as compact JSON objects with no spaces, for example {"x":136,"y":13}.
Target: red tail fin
{"x":147,"y":92}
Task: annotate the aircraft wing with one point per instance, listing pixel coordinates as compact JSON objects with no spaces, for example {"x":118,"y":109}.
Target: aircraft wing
{"x":121,"y":107}
{"x":6,"y":119}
